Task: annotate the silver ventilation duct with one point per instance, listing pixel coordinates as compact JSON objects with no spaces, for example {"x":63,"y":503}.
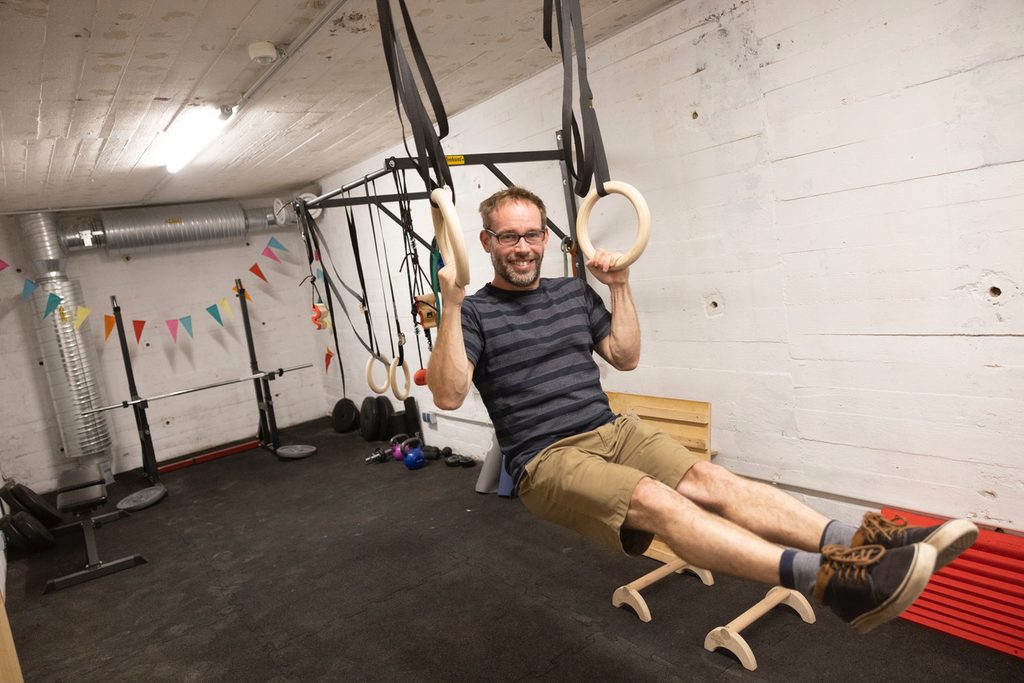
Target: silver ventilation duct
{"x":68,"y":357}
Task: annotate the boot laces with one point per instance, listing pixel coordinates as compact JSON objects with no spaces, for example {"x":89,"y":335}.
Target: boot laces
{"x":852,"y":563}
{"x":876,"y":526}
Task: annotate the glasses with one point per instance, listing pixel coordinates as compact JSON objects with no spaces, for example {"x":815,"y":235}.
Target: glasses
{"x":511,"y":239}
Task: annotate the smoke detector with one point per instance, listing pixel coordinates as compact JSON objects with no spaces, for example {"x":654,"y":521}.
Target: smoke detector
{"x":263,"y":52}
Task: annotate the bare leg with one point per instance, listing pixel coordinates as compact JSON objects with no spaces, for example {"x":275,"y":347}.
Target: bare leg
{"x":764,"y":510}
{"x":701,"y":537}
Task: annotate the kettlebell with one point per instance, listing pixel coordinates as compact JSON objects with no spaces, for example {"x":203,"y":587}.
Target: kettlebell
{"x":414,"y":459}
{"x":396,"y":446}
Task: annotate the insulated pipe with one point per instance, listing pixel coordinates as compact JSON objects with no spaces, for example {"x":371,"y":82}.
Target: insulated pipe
{"x":68,"y":359}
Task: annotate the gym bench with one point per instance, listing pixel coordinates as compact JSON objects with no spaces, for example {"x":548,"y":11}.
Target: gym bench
{"x":80,"y":499}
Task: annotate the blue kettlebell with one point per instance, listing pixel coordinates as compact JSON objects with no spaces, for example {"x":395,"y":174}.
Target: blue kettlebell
{"x":414,"y":459}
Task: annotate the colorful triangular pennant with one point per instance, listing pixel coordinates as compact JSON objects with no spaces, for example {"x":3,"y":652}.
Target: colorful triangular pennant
{"x":215,"y":312}
{"x":138,"y":325}
{"x":276,"y":245}
{"x":248,"y":297}
{"x":172,"y":327}
{"x":226,"y":306}
{"x":52,"y":302}
{"x":258,"y":272}
{"x":80,"y":315}
{"x":186,"y":322}
{"x":108,"y":325}
{"x":3,"y":264}
{"x":327,"y":359}
{"x":28,"y":288}
{"x":269,"y":253}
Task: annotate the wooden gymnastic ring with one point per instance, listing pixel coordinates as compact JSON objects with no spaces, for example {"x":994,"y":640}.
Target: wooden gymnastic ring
{"x":448,"y":231}
{"x":400,"y":394}
{"x":369,"y":374}
{"x":643,"y":226}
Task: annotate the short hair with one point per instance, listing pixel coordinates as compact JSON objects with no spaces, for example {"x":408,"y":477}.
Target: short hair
{"x":511,"y":194}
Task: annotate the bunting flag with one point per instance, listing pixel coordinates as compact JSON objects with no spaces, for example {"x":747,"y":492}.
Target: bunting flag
{"x":80,"y":315}
{"x":108,"y":325}
{"x":316,"y":255}
{"x":172,"y":326}
{"x":319,"y":274}
{"x":52,"y":302}
{"x":212,"y":310}
{"x":138,"y":325}
{"x":27,"y":290}
{"x":4,"y":264}
{"x":269,"y":253}
{"x":258,"y":272}
{"x":276,"y":245}
{"x":327,"y":359}
{"x":226,"y":306}
{"x":62,"y":313}
{"x":186,"y":322}
{"x":248,"y":297}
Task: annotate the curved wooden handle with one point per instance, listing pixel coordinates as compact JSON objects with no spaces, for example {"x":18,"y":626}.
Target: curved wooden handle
{"x":643,"y":224}
{"x":448,"y":232}
{"x":369,"y":374}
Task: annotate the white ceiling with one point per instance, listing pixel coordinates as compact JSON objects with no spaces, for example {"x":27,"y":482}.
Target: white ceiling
{"x":87,"y":88}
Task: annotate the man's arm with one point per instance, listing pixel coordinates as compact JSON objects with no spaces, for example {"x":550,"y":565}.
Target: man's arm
{"x":449,"y":372}
{"x":621,"y":348}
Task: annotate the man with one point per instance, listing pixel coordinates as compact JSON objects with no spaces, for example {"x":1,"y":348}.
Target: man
{"x":527,"y":344}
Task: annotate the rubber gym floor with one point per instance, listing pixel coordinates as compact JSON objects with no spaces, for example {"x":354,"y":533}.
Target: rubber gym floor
{"x":330,"y":569}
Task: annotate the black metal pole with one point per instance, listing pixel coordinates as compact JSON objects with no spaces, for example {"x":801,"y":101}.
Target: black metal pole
{"x":571,"y":210}
{"x":139,"y":408}
{"x":264,"y":400}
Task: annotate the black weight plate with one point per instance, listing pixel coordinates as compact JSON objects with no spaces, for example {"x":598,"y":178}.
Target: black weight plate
{"x":345,"y":416}
{"x":412,"y":416}
{"x":37,"y":535}
{"x":7,"y":496}
{"x":368,"y":419}
{"x":384,"y":412}
{"x":15,"y":541}
{"x":36,"y":505}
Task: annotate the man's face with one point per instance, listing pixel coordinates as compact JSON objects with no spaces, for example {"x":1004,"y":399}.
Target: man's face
{"x":516,"y":266}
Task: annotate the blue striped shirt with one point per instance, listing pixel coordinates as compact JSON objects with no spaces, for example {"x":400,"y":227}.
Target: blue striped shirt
{"x":533,"y":353}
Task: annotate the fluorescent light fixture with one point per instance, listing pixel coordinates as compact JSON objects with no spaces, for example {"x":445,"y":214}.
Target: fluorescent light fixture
{"x":193,"y":130}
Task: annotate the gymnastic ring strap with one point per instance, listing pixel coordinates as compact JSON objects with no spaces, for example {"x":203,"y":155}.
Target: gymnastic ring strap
{"x":448,"y":232}
{"x":369,"y":373}
{"x":403,"y":393}
{"x":643,"y":226}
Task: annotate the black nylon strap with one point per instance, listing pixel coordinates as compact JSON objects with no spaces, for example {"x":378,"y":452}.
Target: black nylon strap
{"x":588,"y":149}
{"x":313,"y":246}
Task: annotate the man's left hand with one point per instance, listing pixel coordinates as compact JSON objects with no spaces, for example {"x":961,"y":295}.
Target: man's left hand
{"x":600,"y":267}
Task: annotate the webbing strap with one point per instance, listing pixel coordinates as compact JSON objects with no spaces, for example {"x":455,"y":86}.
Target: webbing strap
{"x":312,"y":248}
{"x":363,"y":298}
{"x":406,"y":94}
{"x":588,"y":149}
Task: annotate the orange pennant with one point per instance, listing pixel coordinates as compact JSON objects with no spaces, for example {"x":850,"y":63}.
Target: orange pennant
{"x":327,"y":359}
{"x":108,"y":325}
{"x":248,"y":297}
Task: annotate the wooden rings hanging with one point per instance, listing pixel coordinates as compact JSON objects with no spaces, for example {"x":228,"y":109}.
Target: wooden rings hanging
{"x":381,"y":388}
{"x":400,"y":394}
{"x":448,"y":232}
{"x":643,"y":226}
{"x":389,"y":380}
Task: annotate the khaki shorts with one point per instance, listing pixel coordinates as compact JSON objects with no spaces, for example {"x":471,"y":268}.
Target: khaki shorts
{"x":585,"y":482}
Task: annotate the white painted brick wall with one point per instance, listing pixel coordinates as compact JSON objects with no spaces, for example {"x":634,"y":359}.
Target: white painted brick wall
{"x":156,"y":286}
{"x":844,"y":179}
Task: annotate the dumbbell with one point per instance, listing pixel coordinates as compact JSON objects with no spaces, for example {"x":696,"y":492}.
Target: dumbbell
{"x":379,"y":455}
{"x":452,"y":459}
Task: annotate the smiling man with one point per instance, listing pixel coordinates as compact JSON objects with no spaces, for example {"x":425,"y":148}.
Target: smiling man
{"x":527,"y":343}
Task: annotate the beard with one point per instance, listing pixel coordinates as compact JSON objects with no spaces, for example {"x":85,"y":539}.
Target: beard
{"x":516,"y":277}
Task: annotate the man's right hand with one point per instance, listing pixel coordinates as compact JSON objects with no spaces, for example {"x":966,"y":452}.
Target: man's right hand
{"x":452,"y":294}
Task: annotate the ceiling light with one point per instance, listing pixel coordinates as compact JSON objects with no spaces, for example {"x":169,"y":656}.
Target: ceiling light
{"x":192,"y":130}
{"x":263,"y":53}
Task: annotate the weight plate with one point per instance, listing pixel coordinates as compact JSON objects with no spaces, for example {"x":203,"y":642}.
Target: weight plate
{"x":36,"y":505}
{"x":37,"y":535}
{"x":15,"y":541}
{"x":345,"y":416}
{"x":384,"y":412}
{"x":295,"y":452}
{"x":143,"y":498}
{"x":7,"y":496}
{"x":368,"y":419}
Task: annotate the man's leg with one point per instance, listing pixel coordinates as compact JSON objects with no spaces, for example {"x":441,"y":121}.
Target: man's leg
{"x":761,"y":509}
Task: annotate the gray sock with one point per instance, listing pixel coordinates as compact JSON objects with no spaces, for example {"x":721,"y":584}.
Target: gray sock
{"x":805,"y":571}
{"x":837,"y":533}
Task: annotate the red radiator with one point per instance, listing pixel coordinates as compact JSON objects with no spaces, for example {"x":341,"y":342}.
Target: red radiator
{"x":980,"y":595}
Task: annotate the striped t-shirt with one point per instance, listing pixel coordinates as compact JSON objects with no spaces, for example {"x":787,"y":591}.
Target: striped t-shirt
{"x":533,"y":353}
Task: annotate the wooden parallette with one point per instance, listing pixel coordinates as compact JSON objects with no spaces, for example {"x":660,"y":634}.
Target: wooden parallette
{"x":729,"y":637}
{"x":688,"y":422}
{"x":629,"y":594}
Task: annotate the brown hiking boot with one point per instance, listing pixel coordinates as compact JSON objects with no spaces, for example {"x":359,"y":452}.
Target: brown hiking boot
{"x":869,"y":585}
{"x":949,"y":539}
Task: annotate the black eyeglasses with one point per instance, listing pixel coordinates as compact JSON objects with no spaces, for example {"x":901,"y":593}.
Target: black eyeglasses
{"x":511,"y":239}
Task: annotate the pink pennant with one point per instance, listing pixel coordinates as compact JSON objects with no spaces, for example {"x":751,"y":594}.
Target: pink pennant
{"x":3,"y":264}
{"x":269,"y":253}
{"x":172,"y":326}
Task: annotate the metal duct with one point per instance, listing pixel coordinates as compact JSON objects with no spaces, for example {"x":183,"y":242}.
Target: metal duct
{"x":165,"y":226}
{"x":67,"y":357}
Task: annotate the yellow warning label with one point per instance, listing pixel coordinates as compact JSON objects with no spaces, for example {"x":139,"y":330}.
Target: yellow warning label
{"x":455,"y":159}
